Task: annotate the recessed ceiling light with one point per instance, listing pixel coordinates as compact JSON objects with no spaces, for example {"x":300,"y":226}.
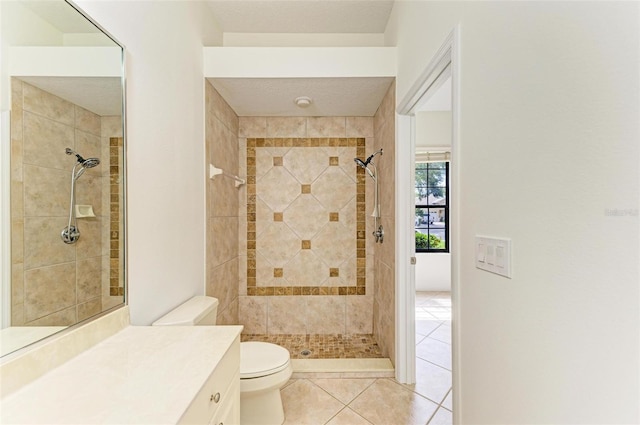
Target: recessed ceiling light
{"x":303,"y":101}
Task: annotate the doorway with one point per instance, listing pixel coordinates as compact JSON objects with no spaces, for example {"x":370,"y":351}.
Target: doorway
{"x":438,"y":83}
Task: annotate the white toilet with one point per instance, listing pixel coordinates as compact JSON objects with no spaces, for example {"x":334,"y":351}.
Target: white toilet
{"x":264,"y":367}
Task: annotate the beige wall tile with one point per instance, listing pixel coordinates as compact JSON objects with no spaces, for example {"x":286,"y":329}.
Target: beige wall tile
{"x":45,"y":142}
{"x":278,"y":244}
{"x":334,"y":244}
{"x":222,"y":245}
{"x":222,"y":283}
{"x":306,"y":269}
{"x":17,"y":284}
{"x":89,"y":308}
{"x":45,"y":104}
{"x":89,"y":278}
{"x":326,"y":127}
{"x":306,"y":216}
{"x":277,"y":188}
{"x":49,"y":290}
{"x":17,"y":241}
{"x":88,"y":145}
{"x":252,"y":314}
{"x":66,"y":317}
{"x":87,"y":121}
{"x":326,"y":314}
{"x":286,"y":315}
{"x":306,"y":164}
{"x":45,"y":247}
{"x":252,"y":127}
{"x":90,"y":242}
{"x":306,"y":403}
{"x":359,"y":314}
{"x":286,"y":127}
{"x":360,"y":127}
{"x":333,"y":188}
{"x":89,"y":192}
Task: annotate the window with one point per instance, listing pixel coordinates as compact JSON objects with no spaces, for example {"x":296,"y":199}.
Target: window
{"x":432,"y":207}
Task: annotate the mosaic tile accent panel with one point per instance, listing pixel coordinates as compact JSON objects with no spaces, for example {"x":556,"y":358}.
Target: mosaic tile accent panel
{"x":305,"y":217}
{"x":115,"y":278}
{"x":323,"y":346}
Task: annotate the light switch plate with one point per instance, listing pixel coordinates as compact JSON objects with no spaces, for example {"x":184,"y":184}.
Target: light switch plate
{"x":494,"y":255}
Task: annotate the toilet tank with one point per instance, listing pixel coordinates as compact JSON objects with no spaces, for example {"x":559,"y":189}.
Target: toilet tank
{"x":199,"y":310}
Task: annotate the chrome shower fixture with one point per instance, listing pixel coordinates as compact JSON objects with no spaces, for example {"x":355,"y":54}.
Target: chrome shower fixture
{"x":379,"y":232}
{"x":71,"y":233}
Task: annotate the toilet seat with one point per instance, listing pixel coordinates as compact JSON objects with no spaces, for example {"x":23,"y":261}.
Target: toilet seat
{"x":260,"y":359}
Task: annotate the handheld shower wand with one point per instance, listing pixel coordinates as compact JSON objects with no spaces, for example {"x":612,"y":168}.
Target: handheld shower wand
{"x":379,"y":232}
{"x":71,"y":233}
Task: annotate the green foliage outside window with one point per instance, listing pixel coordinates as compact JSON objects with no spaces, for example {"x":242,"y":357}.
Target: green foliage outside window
{"x":432,"y":241}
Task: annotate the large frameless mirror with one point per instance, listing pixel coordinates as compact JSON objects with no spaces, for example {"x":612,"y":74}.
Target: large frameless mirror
{"x":63,"y":159}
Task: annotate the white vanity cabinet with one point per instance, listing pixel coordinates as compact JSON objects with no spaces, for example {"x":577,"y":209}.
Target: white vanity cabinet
{"x":141,"y":375}
{"x":218,"y":402}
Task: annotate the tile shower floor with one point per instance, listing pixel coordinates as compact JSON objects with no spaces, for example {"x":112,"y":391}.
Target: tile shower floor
{"x":323,"y":346}
{"x":383,"y":401}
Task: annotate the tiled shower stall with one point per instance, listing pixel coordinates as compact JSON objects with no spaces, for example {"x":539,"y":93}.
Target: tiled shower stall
{"x":290,"y":254}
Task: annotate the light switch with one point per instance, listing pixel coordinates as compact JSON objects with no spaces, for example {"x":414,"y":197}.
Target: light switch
{"x":482,"y":252}
{"x":494,"y":255}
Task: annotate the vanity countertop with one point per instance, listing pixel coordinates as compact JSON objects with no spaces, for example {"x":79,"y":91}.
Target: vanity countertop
{"x":141,"y":375}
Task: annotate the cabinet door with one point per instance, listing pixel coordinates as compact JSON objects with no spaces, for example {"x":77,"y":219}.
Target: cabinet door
{"x":229,"y":411}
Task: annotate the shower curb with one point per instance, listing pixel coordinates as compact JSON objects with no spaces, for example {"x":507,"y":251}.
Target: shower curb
{"x":342,"y":368}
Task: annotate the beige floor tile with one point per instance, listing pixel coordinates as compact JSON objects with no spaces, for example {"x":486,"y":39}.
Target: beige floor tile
{"x":448,"y":402}
{"x":344,"y":390}
{"x":443,"y":333}
{"x":442,"y":417}
{"x":307,"y":404}
{"x":435,"y":351}
{"x":432,"y":382}
{"x":348,"y":417}
{"x":388,"y":403}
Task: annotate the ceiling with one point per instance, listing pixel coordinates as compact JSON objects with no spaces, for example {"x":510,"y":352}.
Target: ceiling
{"x":302,"y":16}
{"x":100,"y":95}
{"x":358,"y":97}
{"x":331,"y":96}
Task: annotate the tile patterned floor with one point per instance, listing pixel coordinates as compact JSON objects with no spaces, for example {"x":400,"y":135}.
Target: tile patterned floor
{"x":323,"y":346}
{"x":383,"y":401}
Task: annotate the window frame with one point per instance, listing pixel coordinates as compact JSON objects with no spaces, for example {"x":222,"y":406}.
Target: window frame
{"x":427,"y":206}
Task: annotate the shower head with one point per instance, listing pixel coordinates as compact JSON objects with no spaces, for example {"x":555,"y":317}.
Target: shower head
{"x":365,"y":164}
{"x":84,"y":163}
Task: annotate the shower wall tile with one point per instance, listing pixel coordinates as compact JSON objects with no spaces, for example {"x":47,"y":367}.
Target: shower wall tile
{"x":252,"y":127}
{"x":45,"y":142}
{"x":222,"y":243}
{"x":326,"y":127}
{"x":229,"y":316}
{"x":286,"y":127}
{"x":66,"y":317}
{"x":49,"y":289}
{"x":359,"y":317}
{"x":47,"y":105}
{"x":43,"y":244}
{"x":326,"y":315}
{"x":90,"y":242}
{"x":286,"y":315}
{"x":42,"y":126}
{"x":222,"y":283}
{"x":89,"y":308}
{"x":89,"y":278}
{"x":359,"y":127}
{"x":89,"y":192}
{"x":252,"y":312}
{"x":89,"y":145}
{"x":87,"y":121}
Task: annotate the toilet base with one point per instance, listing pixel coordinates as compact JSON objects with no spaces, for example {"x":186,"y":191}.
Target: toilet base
{"x":262,"y":408}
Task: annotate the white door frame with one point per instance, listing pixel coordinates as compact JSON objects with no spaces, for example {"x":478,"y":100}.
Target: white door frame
{"x":446,"y":60}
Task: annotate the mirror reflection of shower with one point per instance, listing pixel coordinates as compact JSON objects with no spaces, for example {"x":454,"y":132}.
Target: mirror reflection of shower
{"x":71,"y":233}
{"x":378,"y":233}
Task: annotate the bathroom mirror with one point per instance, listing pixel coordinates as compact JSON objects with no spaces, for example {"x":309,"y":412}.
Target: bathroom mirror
{"x":63,"y":164}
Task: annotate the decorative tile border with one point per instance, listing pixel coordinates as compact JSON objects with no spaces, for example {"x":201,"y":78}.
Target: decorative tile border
{"x":252,"y":285}
{"x":115,"y":152}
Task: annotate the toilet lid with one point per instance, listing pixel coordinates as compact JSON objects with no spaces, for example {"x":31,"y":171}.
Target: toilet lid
{"x":261,"y":359}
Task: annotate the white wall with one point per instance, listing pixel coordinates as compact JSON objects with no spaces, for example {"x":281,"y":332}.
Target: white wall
{"x":549,"y":106}
{"x":433,"y":271}
{"x":165,"y":147}
{"x":433,"y":129}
